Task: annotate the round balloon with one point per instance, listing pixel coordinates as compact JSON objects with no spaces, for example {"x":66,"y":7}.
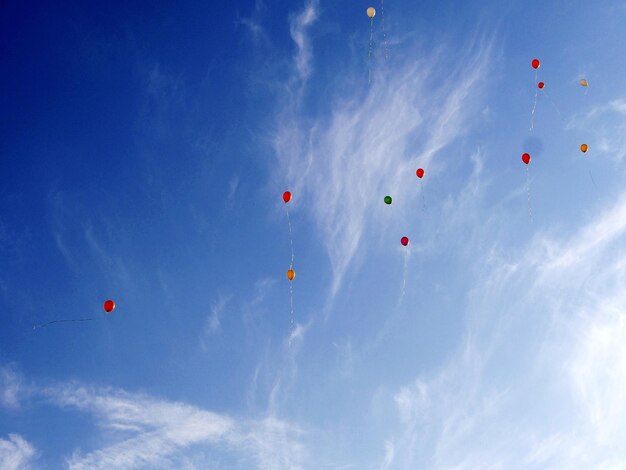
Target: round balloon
{"x":584,"y":148}
{"x":541,"y":84}
{"x":420,"y":173}
{"x":583,"y":82}
{"x":109,"y":305}
{"x":404,"y":241}
{"x":387,"y":199}
{"x":291,"y":274}
{"x":535,"y":63}
{"x":371,"y":11}
{"x":526,"y":158}
{"x":286,"y":196}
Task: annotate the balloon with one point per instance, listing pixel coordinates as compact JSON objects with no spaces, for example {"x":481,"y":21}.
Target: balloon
{"x":371,"y":12}
{"x":291,"y":274}
{"x":109,"y":305}
{"x":404,"y":241}
{"x":286,"y":196}
{"x":541,"y":84}
{"x":420,"y":173}
{"x":583,"y":148}
{"x":583,"y":82}
{"x":387,"y":199}
{"x":526,"y":158}
{"x":535,"y":63}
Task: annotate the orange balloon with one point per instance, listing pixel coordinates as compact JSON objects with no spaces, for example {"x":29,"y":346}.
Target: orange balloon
{"x":291,"y":274}
{"x":584,"y":148}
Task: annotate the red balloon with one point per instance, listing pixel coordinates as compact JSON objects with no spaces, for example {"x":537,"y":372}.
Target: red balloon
{"x":526,"y":158}
{"x":109,"y":305}
{"x":541,"y":84}
{"x":535,"y":63}
{"x":404,"y":241}
{"x":419,"y":173}
{"x":286,"y":196}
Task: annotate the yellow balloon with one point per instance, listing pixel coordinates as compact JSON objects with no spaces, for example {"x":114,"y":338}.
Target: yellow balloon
{"x":583,"y":82}
{"x":583,"y":148}
{"x":291,"y":274}
{"x":371,"y":12}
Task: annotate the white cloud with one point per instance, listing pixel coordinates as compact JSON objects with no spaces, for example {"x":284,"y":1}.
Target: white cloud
{"x":606,"y":125}
{"x":539,"y":377}
{"x":253,"y":23}
{"x":213,"y":320}
{"x":11,"y":387}
{"x":233,"y":184}
{"x":371,"y":141}
{"x":159,"y":433}
{"x":16,"y":453}
{"x":298,"y":26}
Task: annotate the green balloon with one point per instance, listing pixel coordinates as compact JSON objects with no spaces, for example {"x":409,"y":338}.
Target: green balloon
{"x":387,"y":199}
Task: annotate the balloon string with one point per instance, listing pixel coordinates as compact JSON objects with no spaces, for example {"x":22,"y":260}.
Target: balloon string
{"x":290,"y":282}
{"x":292,"y":326}
{"x":290,"y":237}
{"x":369,"y":52}
{"x":556,"y":108}
{"x":530,"y":211}
{"x":62,"y":321}
{"x":382,"y":11}
{"x":532,"y":114}
{"x":406,"y":264}
{"x":592,"y":180}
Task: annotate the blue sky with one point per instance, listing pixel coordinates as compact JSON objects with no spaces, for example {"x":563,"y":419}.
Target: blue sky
{"x":145,"y":149}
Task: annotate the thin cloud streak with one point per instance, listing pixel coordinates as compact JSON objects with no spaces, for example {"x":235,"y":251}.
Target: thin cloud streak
{"x":12,"y":388}
{"x":373,"y":143}
{"x":299,"y":24}
{"x":522,"y":354}
{"x":154,"y":432}
{"x":16,"y":453}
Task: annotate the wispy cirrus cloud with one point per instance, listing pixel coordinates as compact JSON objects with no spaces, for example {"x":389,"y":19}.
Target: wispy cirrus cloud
{"x":538,"y":377}
{"x":156,"y":433}
{"x":607,"y":125}
{"x":370,"y":141}
{"x":299,"y":25}
{"x":213,"y":323}
{"x":12,"y":386}
{"x":16,"y":453}
{"x":253,"y":22}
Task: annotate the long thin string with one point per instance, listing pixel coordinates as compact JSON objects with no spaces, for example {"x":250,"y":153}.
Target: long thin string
{"x":530,"y":211}
{"x":532,"y":114}
{"x":43,"y":325}
{"x":556,"y":108}
{"x":290,"y":267}
{"x":592,"y":180}
{"x":382,"y":12}
{"x":406,"y":264}
{"x":369,"y":52}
